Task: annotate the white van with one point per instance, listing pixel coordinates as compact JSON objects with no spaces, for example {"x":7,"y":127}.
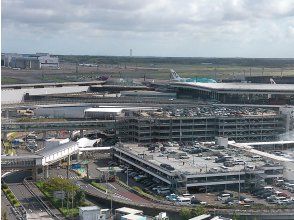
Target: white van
{"x":224,"y":168}
{"x":224,"y":197}
{"x":270,"y":188}
{"x":184,"y":201}
{"x":250,"y":167}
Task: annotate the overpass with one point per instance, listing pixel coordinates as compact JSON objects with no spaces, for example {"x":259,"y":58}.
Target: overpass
{"x":45,"y":158}
{"x":21,"y":161}
{"x":46,"y":85}
{"x":57,"y":125}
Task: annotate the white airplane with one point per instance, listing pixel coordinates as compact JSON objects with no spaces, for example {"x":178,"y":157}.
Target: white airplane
{"x":174,"y":76}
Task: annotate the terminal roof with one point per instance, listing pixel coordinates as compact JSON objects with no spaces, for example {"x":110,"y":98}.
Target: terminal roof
{"x":52,"y":150}
{"x":260,"y":87}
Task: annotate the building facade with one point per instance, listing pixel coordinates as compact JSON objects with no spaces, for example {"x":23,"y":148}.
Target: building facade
{"x":194,"y":174}
{"x":32,"y":61}
{"x":241,"y":129}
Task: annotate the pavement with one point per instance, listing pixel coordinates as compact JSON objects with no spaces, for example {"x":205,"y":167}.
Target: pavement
{"x":125,"y":194}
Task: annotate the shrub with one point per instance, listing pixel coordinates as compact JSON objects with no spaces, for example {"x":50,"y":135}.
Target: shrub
{"x":138,"y":189}
{"x":14,"y":201}
{"x":185,"y":213}
{"x":99,"y":186}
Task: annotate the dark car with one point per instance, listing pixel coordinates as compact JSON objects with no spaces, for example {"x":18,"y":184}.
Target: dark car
{"x":195,"y":201}
{"x":265,"y":195}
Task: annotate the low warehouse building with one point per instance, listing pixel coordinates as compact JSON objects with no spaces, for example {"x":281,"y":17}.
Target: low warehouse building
{"x":148,"y":94}
{"x":61,"y":111}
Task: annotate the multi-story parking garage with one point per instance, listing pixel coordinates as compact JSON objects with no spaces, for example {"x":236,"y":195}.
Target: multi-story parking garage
{"x":195,"y":172}
{"x":239,"y":125}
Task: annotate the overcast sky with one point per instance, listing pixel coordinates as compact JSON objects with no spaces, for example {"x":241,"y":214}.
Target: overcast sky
{"x":206,"y":28}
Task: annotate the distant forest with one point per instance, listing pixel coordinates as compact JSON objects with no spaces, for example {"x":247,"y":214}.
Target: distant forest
{"x":249,"y":62}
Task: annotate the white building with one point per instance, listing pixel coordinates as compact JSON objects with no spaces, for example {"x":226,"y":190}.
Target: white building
{"x":93,"y":213}
{"x":48,"y":61}
{"x":133,"y":217}
{"x":126,"y":213}
{"x":30,"y":61}
{"x":61,"y":111}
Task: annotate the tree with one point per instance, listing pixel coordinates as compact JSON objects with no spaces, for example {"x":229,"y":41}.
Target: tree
{"x":55,"y":184}
{"x":79,"y":197}
{"x":199,"y":210}
{"x":185,"y":213}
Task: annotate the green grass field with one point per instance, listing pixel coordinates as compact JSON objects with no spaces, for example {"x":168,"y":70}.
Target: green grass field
{"x":8,"y":80}
{"x":151,"y":68}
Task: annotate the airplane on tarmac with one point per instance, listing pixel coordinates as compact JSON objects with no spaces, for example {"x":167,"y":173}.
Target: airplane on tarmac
{"x":174,"y":76}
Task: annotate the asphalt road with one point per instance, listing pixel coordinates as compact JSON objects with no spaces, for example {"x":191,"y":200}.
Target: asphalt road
{"x":33,"y":207}
{"x":62,"y":173}
{"x":37,"y":192}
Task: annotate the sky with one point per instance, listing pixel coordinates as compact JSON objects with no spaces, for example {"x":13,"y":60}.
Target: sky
{"x":180,"y":28}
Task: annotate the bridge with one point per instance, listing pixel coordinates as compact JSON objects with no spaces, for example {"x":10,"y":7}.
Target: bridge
{"x":45,"y":157}
{"x":44,"y":85}
{"x":57,"y":125}
{"x":20,"y":162}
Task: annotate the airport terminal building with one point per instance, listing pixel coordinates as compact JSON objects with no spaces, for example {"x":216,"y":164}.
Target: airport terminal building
{"x":242,"y":93}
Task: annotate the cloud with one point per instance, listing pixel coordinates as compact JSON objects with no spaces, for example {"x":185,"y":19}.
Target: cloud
{"x":242,"y":21}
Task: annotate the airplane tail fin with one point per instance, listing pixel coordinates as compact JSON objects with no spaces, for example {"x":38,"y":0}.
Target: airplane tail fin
{"x":272,"y":81}
{"x":174,"y":75}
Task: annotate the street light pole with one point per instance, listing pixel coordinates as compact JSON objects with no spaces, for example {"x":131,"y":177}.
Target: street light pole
{"x":111,"y":204}
{"x":127,"y":176}
{"x":239,"y":184}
